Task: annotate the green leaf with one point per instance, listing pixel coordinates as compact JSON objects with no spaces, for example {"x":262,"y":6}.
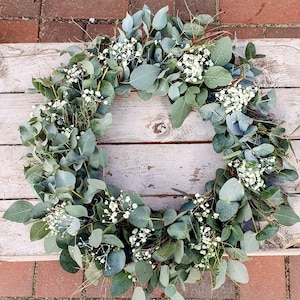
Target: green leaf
{"x":170,"y":216}
{"x":170,"y":290}
{"x":19,"y":211}
{"x":120,"y":284}
{"x":39,"y":230}
{"x":178,"y":230}
{"x":222,"y":141}
{"x":179,"y":251}
{"x":77,"y":211}
{"x":87,"y":143}
{"x":237,"y":271}
{"x":286,"y":216}
{"x":95,"y":238}
{"x":250,"y":242}
{"x":100,"y":126}
{"x":50,"y":244}
{"x":226,"y":233}
{"x":88,"y":67}
{"x":138,"y":294}
{"x":236,"y":253}
{"x":166,"y":251}
{"x":250,"y":51}
{"x":140,"y":217}
{"x":232,"y":190}
{"x":75,"y":254}
{"x":113,"y":240}
{"x":221,"y":51}
{"x":263,"y":150}
{"x":273,"y":195}
{"x":127,"y":22}
{"x":217,"y":76}
{"x":143,"y":271}
{"x":267,"y":232}
{"x":116,"y":262}
{"x":179,"y":111}
{"x":144,"y":76}
{"x":164,"y":275}
{"x":65,"y":180}
{"x":160,"y":19}
{"x":92,"y":274}
{"x":177,"y":296}
{"x":221,"y":274}
{"x":204,"y":19}
{"x":226,"y":210}
{"x":67,"y":262}
{"x":193,"y":30}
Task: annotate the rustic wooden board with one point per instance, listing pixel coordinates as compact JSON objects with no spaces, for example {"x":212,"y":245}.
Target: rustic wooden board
{"x":147,"y":154}
{"x":141,"y":121}
{"x":20,"y":62}
{"x":15,"y":244}
{"x":148,"y":169}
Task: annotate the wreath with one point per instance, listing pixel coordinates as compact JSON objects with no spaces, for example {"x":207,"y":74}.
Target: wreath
{"x":110,"y":232}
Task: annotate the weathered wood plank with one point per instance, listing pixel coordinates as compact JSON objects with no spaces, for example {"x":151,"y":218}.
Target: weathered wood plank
{"x":15,"y":244}
{"x":138,"y":121}
{"x":148,"y":169}
{"x":20,"y":62}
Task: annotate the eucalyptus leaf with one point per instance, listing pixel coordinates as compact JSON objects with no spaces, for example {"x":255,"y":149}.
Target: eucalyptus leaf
{"x":50,"y":244}
{"x":138,"y":294}
{"x":120,"y":284}
{"x":237,"y":271}
{"x":115,"y":261}
{"x":286,"y":216}
{"x":178,"y":230}
{"x":221,"y":274}
{"x":144,"y":76}
{"x":249,"y":243}
{"x":164,"y":275}
{"x":140,"y":217}
{"x":170,"y":216}
{"x":160,"y":19}
{"x":76,"y":210}
{"x":100,"y":126}
{"x":267,"y":232}
{"x":221,"y":51}
{"x":179,"y":111}
{"x":19,"y":211}
{"x":217,"y":76}
{"x":65,"y":180}
{"x":232,"y":190}
{"x":95,"y":238}
{"x":39,"y":230}
{"x":143,"y":271}
{"x":75,"y":254}
{"x":263,"y":150}
{"x":226,"y":209}
{"x":67,"y":262}
{"x":87,"y":143}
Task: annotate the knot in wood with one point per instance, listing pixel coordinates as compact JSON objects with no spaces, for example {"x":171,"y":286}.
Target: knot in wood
{"x":160,"y":126}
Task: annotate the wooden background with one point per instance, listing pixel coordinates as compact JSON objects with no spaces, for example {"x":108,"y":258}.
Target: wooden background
{"x":147,"y":155}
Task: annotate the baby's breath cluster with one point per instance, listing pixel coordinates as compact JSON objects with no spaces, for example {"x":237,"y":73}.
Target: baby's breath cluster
{"x":137,"y":240}
{"x":194,"y":63}
{"x":236,"y":98}
{"x":116,"y":208}
{"x":73,"y":74}
{"x":60,"y":222}
{"x":206,"y":239}
{"x":123,"y":52}
{"x":251,"y":172}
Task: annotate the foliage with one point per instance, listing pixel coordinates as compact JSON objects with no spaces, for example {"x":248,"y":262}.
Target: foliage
{"x":106,"y":231}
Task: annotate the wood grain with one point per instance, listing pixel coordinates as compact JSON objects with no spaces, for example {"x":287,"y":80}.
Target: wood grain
{"x":147,"y":154}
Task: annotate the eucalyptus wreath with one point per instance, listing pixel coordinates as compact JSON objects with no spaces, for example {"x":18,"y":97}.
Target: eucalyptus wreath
{"x":110,"y":232}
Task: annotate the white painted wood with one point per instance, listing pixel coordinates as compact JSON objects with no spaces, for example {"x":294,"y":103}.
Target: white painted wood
{"x":141,"y":121}
{"x":147,"y":154}
{"x":15,"y":244}
{"x":148,"y":169}
{"x":20,"y":62}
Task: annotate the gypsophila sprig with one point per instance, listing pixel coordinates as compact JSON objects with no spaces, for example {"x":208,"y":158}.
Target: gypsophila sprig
{"x":112,"y":233}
